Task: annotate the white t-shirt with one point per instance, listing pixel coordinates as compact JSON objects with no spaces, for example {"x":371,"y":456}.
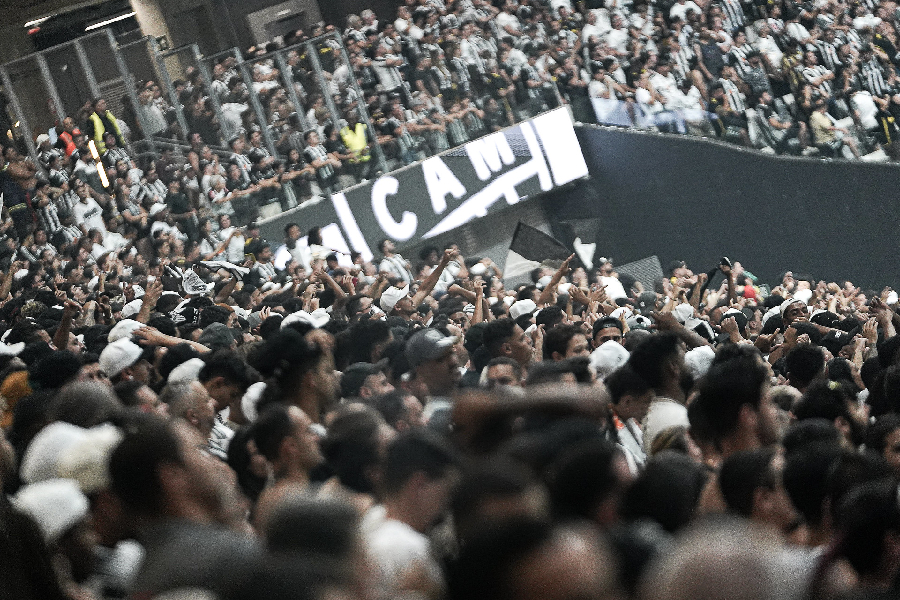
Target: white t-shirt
{"x":235,"y":249}
{"x":769,"y":47}
{"x":589,"y":31}
{"x":680,"y":10}
{"x":504,"y":20}
{"x":299,"y":254}
{"x":666,"y":85}
{"x":616,"y":39}
{"x":798,"y":32}
{"x":167,"y":229}
{"x":598,"y":89}
{"x":396,"y":549}
{"x":90,"y":214}
{"x":114,"y":241}
{"x":663,"y":413}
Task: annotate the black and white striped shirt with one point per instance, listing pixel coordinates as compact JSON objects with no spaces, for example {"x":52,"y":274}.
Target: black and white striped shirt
{"x":264,"y":271}
{"x":461,"y":70}
{"x":48,"y":218}
{"x":813,"y":73}
{"x":682,"y":59}
{"x":314,"y":153}
{"x":873,"y":78}
{"x":828,"y":52}
{"x":67,"y":201}
{"x":738,"y":58}
{"x":734,"y":14}
{"x":158,"y":189}
{"x":851,"y":36}
{"x":244,"y":164}
{"x":113,"y":155}
{"x":735,"y":98}
{"x":58,"y":177}
{"x":44,"y":157}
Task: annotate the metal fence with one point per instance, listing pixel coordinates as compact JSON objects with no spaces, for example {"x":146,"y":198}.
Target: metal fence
{"x":46,"y":86}
{"x":303,"y":73}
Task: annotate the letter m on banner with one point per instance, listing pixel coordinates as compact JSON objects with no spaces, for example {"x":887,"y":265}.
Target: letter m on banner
{"x":489,"y":154}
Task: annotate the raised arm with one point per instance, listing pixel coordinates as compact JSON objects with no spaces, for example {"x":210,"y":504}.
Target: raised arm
{"x":547,"y":293}
{"x":433,"y":277}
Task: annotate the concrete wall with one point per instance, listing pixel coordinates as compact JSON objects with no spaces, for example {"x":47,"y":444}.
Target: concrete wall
{"x":213,"y":24}
{"x":697,"y":200}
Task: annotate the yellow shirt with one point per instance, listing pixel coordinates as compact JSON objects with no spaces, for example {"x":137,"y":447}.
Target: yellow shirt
{"x":821,"y":128}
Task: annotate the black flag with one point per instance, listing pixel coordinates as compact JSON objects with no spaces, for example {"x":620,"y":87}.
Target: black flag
{"x":529,"y":248}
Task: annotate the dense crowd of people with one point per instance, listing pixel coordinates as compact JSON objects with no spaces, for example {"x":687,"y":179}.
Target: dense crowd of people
{"x":192,"y":411}
{"x":795,"y":77}
{"x":267,"y":422}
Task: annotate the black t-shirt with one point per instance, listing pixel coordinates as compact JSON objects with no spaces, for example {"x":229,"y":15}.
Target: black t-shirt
{"x":13,"y":193}
{"x":178,"y":203}
{"x":495,"y":118}
{"x":337,"y":146}
{"x":565,"y":80}
{"x":234,"y":185}
{"x":425,"y":76}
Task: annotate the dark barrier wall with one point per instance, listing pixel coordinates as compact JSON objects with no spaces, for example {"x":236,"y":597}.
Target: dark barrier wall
{"x":696,"y":200}
{"x":685,"y":198}
{"x":441,"y":193}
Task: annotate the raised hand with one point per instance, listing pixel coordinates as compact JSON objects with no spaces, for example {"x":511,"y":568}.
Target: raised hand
{"x":767,"y":342}
{"x":870,"y":331}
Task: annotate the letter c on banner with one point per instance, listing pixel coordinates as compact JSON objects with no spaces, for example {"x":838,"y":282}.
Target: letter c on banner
{"x":399,"y":230}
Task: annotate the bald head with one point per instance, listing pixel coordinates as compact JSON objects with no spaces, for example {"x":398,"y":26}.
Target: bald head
{"x":191,"y":402}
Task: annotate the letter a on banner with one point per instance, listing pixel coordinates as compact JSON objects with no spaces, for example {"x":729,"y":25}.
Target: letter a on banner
{"x":441,"y":181}
{"x":400,"y":230}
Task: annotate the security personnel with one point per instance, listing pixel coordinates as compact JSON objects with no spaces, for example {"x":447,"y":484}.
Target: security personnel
{"x":355,"y":136}
{"x":101,"y":121}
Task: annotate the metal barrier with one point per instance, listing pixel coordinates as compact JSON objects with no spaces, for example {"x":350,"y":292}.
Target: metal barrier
{"x":68,"y":85}
{"x":301,"y":74}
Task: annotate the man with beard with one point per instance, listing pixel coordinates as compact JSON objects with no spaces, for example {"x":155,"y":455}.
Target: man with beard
{"x":285,"y":436}
{"x":734,"y":410}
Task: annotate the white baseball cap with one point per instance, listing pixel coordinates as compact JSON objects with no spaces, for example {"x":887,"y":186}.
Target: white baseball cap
{"x":608,"y":357}
{"x":56,"y":505}
{"x":522,"y":307}
{"x":118,"y":356}
{"x":391,"y":296}
{"x":123,"y":329}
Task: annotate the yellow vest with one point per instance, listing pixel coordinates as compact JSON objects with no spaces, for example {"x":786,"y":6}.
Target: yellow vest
{"x":99,"y":129}
{"x":355,"y":140}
